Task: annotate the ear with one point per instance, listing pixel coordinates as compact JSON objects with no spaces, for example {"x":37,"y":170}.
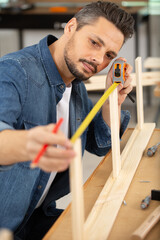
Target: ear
{"x":71,"y":26}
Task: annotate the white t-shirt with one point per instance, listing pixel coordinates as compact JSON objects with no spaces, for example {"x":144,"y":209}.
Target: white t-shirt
{"x":62,"y":112}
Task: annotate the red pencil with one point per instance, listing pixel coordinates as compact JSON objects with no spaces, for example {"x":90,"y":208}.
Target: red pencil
{"x":43,"y":149}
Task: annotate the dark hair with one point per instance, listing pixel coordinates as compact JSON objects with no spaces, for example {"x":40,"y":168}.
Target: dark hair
{"x":112,"y":12}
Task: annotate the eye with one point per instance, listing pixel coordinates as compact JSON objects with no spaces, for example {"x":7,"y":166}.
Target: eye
{"x":109,"y":56}
{"x":94,"y":42}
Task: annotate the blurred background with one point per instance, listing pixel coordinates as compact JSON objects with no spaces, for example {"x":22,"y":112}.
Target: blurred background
{"x":26,"y":22}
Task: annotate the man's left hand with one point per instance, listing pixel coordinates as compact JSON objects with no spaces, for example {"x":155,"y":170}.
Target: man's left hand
{"x":123,"y":89}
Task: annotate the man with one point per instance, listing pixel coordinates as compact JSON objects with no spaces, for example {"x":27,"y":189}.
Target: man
{"x":40,"y":84}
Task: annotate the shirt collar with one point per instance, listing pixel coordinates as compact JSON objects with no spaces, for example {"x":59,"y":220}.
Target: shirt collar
{"x":48,"y":62}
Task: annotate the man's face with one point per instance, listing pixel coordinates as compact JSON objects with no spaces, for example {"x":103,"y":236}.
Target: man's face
{"x":91,"y":49}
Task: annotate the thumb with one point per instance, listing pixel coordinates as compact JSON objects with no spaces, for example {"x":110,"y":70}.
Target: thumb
{"x":120,"y":86}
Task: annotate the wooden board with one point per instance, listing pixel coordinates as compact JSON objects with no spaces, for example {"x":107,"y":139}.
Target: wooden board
{"x":115,"y":142}
{"x":76,"y":186}
{"x":152,"y":63}
{"x":97,"y":83}
{"x":139,"y":92}
{"x":129,"y":216}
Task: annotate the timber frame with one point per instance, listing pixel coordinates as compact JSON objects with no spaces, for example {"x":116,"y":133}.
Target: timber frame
{"x":103,"y":214}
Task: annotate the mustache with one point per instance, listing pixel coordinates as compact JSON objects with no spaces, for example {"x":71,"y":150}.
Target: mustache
{"x":90,"y":63}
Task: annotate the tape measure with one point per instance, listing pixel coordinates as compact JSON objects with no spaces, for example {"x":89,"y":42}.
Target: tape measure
{"x":119,"y":69}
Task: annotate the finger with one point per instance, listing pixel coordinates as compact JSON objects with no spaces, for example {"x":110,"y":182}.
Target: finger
{"x":121,"y":58}
{"x":44,"y":137}
{"x":50,"y":164}
{"x":126,"y":90}
{"x":51,"y":151}
{"x":127,"y":82}
{"x":109,"y":77}
{"x":59,"y":153}
{"x":33,"y":148}
{"x":120,"y":87}
{"x":50,"y":127}
{"x":128,"y":69}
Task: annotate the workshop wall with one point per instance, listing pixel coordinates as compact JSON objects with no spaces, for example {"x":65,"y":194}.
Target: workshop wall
{"x":9,"y":40}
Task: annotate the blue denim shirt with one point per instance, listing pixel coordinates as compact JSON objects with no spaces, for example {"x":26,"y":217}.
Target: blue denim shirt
{"x":30,"y":88}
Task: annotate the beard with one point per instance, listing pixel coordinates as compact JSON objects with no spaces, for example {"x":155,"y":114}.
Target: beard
{"x":80,"y":76}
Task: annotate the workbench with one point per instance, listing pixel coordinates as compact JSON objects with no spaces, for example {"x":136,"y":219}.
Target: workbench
{"x":130,"y":215}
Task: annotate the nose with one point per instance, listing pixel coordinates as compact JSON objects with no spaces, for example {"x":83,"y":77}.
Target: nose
{"x":98,"y":58}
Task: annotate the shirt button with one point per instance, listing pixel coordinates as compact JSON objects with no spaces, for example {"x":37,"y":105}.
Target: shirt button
{"x":78,"y":119}
{"x":62,"y":86}
{"x":39,"y":187}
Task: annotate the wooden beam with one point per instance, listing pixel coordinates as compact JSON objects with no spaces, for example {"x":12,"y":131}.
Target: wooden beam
{"x":76,"y":185}
{"x":129,"y":144}
{"x":152,"y":62}
{"x":97,"y":83}
{"x":114,"y":121}
{"x":100,"y":221}
{"x":139,"y":92}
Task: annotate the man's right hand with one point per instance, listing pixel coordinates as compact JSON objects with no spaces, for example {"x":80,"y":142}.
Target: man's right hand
{"x":55,"y":158}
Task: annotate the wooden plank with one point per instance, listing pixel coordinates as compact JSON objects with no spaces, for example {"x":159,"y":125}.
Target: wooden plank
{"x":152,"y":62}
{"x":139,"y":92}
{"x":76,"y":185}
{"x":100,"y":221}
{"x":129,"y":144}
{"x":114,"y":120}
{"x":97,"y":83}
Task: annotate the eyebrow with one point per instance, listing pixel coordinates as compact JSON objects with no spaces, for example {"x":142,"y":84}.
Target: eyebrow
{"x":102,"y":42}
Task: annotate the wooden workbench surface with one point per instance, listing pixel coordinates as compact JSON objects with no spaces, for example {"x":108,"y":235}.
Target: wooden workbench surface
{"x":131,"y":215}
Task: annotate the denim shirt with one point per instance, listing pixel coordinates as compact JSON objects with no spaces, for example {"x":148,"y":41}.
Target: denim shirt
{"x":30,"y":88}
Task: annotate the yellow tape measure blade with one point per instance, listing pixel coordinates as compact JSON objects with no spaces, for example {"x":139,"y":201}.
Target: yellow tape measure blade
{"x":93,"y":112}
